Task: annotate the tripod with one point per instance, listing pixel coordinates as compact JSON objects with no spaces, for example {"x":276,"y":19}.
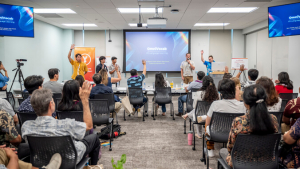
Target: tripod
{"x":19,"y":72}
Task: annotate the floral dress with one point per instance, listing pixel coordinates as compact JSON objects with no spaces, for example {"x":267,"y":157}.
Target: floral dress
{"x":241,"y":125}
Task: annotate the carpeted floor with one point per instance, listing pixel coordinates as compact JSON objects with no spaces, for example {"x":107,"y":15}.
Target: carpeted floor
{"x":156,"y":144}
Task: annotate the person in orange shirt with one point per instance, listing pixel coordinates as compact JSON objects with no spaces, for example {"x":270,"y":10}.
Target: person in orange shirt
{"x":79,"y":67}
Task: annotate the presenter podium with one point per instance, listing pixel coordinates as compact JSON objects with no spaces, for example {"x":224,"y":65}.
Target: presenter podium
{"x":218,"y":70}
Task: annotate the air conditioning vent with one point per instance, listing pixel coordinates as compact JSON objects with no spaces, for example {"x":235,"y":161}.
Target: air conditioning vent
{"x":49,"y":15}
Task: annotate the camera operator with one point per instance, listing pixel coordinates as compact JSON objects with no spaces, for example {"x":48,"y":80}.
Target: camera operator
{"x":3,"y":78}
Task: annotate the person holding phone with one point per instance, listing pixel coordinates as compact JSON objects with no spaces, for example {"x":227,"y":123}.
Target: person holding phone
{"x":187,"y":68}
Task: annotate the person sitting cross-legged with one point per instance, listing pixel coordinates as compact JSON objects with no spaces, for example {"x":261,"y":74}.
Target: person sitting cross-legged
{"x":47,"y":126}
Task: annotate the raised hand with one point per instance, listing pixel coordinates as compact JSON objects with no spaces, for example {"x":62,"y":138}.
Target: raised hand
{"x":116,"y":67}
{"x":72,"y":46}
{"x":242,"y":67}
{"x":202,"y":52}
{"x":85,"y":90}
{"x":277,"y":81}
{"x":226,"y":69}
{"x":144,"y":62}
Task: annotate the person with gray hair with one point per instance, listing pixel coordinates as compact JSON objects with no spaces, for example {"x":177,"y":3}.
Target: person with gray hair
{"x":47,"y":126}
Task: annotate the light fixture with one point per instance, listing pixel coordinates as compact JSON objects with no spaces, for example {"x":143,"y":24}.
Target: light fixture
{"x":211,"y":24}
{"x":136,"y":10}
{"x":135,"y":24}
{"x":232,"y":10}
{"x":80,"y":24}
{"x":53,"y":10}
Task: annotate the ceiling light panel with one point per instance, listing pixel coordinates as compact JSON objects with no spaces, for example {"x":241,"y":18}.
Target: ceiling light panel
{"x":53,"y":10}
{"x":211,"y":24}
{"x":136,"y":10}
{"x":135,"y":24}
{"x":233,"y":10}
{"x":80,"y":24}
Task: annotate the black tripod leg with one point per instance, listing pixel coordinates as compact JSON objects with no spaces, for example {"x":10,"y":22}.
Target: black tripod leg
{"x":13,"y":80}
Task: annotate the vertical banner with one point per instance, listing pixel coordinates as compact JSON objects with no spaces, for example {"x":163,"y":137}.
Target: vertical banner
{"x":88,"y":57}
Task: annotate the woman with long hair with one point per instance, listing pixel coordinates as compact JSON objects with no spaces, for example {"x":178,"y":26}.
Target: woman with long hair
{"x":70,"y":97}
{"x":284,"y":84}
{"x":257,"y":120}
{"x":207,"y":92}
{"x":273,"y":100}
{"x":107,"y":81}
{"x":160,"y":82}
{"x":80,"y":80}
{"x":3,"y":77}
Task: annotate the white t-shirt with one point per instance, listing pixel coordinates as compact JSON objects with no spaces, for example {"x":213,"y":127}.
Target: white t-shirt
{"x":276,"y":107}
{"x":197,"y":96}
{"x":226,"y":106}
{"x":186,"y":67}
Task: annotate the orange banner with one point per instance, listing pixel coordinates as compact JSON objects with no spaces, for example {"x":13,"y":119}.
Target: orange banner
{"x":88,"y":57}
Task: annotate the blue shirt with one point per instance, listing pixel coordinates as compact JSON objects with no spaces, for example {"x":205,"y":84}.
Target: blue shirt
{"x":100,"y":89}
{"x":99,"y":67}
{"x":208,"y":66}
{"x":109,"y":82}
{"x":3,"y":80}
{"x":136,"y":81}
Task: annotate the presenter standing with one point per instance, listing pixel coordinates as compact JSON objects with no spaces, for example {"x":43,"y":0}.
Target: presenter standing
{"x":113,"y":67}
{"x":79,"y":67}
{"x":187,"y":68}
{"x":101,"y":65}
{"x":207,"y":63}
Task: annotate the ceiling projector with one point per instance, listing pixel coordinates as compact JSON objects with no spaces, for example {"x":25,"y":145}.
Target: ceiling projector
{"x":156,"y":22}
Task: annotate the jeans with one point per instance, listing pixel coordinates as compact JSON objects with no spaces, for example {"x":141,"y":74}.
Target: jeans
{"x":163,"y":107}
{"x":138,"y":106}
{"x":92,"y":144}
{"x":181,"y":99}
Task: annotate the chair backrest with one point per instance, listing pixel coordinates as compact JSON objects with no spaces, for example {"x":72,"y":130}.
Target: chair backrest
{"x":57,"y":96}
{"x":135,"y":95}
{"x":77,"y":115}
{"x":163,"y":95}
{"x":57,"y":101}
{"x":24,"y":116}
{"x":283,"y":104}
{"x":189,"y":102}
{"x":279,"y":119}
{"x":25,"y":95}
{"x":107,"y":96}
{"x":3,"y":94}
{"x":202,"y":108}
{"x":255,"y":151}
{"x":100,"y":111}
{"x":288,"y":96}
{"x":20,"y":101}
{"x":220,"y":125}
{"x":43,"y":148}
{"x":11,"y":99}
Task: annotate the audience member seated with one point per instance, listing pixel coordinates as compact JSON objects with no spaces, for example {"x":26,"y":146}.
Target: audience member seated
{"x":238,"y":90}
{"x":46,"y":126}
{"x":284,"y":84}
{"x":9,"y":160}
{"x":100,"y":88}
{"x":80,"y":80}
{"x":291,"y":112}
{"x":292,"y":137}
{"x":136,"y":81}
{"x":160,"y":82}
{"x":31,"y":83}
{"x":227,"y":105}
{"x":273,"y":100}
{"x":107,"y":81}
{"x":208,"y":93}
{"x":5,"y":105}
{"x":252,"y":76}
{"x":9,"y":134}
{"x":53,"y":85}
{"x":257,"y":120}
{"x":197,"y":84}
{"x":70,"y":97}
{"x":3,"y":77}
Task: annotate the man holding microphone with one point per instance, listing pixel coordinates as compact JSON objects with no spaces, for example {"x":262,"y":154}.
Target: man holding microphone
{"x":187,"y":68}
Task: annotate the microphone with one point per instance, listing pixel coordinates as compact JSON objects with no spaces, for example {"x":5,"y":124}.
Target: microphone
{"x":20,"y":60}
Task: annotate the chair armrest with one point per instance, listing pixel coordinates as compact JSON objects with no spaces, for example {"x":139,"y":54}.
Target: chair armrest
{"x":82,"y":163}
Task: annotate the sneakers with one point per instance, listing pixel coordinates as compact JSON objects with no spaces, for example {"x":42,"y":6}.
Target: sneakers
{"x":211,"y":153}
{"x":55,"y":162}
{"x":139,"y":112}
{"x":133,"y":111}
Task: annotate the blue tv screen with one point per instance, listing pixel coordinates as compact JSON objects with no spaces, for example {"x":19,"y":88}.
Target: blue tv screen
{"x":284,"y":20}
{"x":16,"y":21}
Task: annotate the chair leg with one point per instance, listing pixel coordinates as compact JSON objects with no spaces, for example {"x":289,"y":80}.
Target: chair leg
{"x":144,"y":114}
{"x":173,"y":111}
{"x":116,"y":117}
{"x":190,"y":124}
{"x":203,"y":153}
{"x":153,"y":110}
{"x":124,"y":116}
{"x":111,"y":127}
{"x":171,"y":114}
{"x":194,"y":148}
{"x":184,"y":122}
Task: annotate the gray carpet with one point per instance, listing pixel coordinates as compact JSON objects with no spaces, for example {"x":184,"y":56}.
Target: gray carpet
{"x":156,"y":144}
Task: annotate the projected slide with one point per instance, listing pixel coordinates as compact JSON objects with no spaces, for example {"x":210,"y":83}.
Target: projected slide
{"x":163,"y":51}
{"x":16,"y":21}
{"x":284,"y":20}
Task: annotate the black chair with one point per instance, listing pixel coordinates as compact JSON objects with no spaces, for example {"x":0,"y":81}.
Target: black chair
{"x":100,"y":114}
{"x":136,"y":97}
{"x":163,"y":95}
{"x":288,"y":96}
{"x":25,"y":95}
{"x":77,"y":115}
{"x":219,"y":128}
{"x":283,"y":104}
{"x":57,"y":101}
{"x":253,"y":152}
{"x":57,"y":96}
{"x":279,"y":119}
{"x":111,"y":101}
{"x":202,"y":108}
{"x":20,"y":101}
{"x":11,"y":99}
{"x":24,"y":116}
{"x":43,"y":148}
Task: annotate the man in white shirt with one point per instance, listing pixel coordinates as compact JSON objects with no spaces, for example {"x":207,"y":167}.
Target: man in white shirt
{"x":187,"y":68}
{"x":52,"y":84}
{"x":228,"y":105}
{"x":112,"y":68}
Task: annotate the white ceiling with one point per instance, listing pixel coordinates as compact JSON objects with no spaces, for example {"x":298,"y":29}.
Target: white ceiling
{"x":105,"y":15}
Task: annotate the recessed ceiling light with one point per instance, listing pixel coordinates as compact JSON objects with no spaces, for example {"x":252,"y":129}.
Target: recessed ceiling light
{"x":80,"y":24}
{"x":136,"y":10}
{"x":211,"y":24}
{"x":53,"y":10}
{"x":135,"y":24}
{"x":233,"y":10}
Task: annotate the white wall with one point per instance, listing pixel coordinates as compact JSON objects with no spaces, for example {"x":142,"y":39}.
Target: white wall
{"x":43,"y":52}
{"x":294,"y":60}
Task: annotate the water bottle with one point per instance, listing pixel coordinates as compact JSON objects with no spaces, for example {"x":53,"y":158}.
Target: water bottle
{"x":181,"y":84}
{"x":171,"y":84}
{"x":144,"y":85}
{"x":118,"y":84}
{"x":153,"y":85}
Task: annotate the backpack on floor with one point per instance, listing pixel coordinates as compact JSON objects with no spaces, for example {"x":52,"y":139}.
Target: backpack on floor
{"x":105,"y":132}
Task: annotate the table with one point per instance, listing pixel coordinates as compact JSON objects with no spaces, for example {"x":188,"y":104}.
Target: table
{"x":123,"y":90}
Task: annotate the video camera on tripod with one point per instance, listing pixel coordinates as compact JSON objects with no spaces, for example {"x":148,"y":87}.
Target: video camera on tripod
{"x":19,"y":64}
{"x":19,"y":72}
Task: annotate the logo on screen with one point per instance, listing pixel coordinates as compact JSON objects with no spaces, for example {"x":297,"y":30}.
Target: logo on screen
{"x":86,"y":58}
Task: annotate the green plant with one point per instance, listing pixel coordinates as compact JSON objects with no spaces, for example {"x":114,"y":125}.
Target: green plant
{"x":119,"y":163}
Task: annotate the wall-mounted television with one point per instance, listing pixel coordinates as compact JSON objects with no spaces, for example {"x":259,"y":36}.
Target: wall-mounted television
{"x":164,"y":50}
{"x":284,"y":20}
{"x":16,"y":21}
